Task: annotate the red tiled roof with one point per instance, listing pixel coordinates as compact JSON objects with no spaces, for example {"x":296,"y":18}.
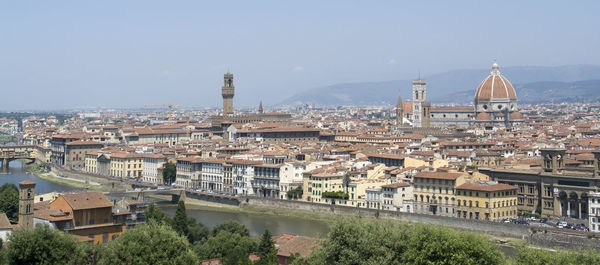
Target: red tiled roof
{"x":485,"y":186}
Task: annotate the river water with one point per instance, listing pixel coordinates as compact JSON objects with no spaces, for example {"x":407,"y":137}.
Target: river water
{"x":256,"y":223}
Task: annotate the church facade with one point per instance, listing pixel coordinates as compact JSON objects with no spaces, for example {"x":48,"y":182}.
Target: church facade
{"x":495,"y":105}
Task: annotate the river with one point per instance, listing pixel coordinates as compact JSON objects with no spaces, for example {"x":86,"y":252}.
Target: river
{"x":256,"y":223}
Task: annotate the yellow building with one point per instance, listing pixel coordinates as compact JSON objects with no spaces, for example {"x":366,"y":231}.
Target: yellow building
{"x":320,"y":180}
{"x":357,"y":190}
{"x":434,"y":163}
{"x":486,"y":200}
{"x":434,"y":192}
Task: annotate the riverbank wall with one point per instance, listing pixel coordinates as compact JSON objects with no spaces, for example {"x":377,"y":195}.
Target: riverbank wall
{"x":538,"y":236}
{"x":85,"y":177}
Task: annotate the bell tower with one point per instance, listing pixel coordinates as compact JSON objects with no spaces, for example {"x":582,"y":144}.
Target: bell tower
{"x":228,"y":91}
{"x":419,"y":87}
{"x":26,"y":196}
{"x":399,"y":111}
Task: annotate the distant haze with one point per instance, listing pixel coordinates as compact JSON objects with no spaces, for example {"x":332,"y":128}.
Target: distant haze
{"x":70,"y":54}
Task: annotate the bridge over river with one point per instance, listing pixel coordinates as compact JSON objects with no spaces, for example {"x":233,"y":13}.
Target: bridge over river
{"x":14,"y":152}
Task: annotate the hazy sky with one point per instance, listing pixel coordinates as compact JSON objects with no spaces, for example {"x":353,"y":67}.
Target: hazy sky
{"x":64,"y":54}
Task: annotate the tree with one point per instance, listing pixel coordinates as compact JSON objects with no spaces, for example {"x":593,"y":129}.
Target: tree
{"x":441,"y":245}
{"x":532,"y":256}
{"x":169,"y":173}
{"x":346,"y":181}
{"x":295,"y":193}
{"x":150,"y":243}
{"x":91,"y":254}
{"x":354,"y":241}
{"x":9,"y":201}
{"x":231,"y":227}
{"x":180,"y":220}
{"x":197,"y":231}
{"x":232,"y":248}
{"x":266,"y":250}
{"x":41,"y":245}
{"x":154,"y":214}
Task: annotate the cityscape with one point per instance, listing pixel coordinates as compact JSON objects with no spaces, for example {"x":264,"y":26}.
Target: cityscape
{"x":449,"y":163}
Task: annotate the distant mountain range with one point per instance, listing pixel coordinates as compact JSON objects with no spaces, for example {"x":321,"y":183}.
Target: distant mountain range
{"x":571,"y":83}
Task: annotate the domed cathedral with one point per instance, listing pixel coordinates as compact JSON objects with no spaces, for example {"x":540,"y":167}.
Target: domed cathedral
{"x":495,"y":106}
{"x":496,"y":100}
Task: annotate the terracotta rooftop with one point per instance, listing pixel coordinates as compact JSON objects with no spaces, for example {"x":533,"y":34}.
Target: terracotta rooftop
{"x":438,"y":175}
{"x":86,"y":200}
{"x":288,"y":244}
{"x":485,"y":186}
{"x":4,"y":222}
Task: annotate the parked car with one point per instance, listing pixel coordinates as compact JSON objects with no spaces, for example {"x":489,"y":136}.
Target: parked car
{"x":562,"y":224}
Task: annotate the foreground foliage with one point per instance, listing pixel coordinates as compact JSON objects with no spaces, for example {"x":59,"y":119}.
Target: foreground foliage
{"x":182,"y":240}
{"x":149,"y":244}
{"x":529,"y":256}
{"x":9,"y":201}
{"x":42,"y":245}
{"x":353,"y":241}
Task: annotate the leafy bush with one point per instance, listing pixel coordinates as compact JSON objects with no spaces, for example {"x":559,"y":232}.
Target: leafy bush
{"x":335,"y":195}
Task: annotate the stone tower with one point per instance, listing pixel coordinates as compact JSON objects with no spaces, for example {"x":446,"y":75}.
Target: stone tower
{"x":399,"y":113}
{"x":260,"y":108}
{"x":227,"y":91}
{"x":419,"y":87}
{"x":425,"y":114}
{"x":26,"y":195}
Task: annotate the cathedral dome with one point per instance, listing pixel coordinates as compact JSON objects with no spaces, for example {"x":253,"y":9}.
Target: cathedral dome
{"x":515,"y":115}
{"x":495,"y":93}
{"x":495,"y":86}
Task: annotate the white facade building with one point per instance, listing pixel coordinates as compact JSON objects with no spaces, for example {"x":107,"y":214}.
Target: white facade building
{"x":594,"y":211}
{"x":212,"y":175}
{"x":150,"y":172}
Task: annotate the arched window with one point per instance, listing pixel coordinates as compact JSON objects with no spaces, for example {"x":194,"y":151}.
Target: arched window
{"x":28,"y":193}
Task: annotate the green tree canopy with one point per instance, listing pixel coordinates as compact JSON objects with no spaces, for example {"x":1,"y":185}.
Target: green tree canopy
{"x":353,"y":241}
{"x":154,"y":214}
{"x":197,"y":231}
{"x":180,"y":220}
{"x":266,"y":249}
{"x":169,"y":172}
{"x":150,"y":243}
{"x":41,"y":245}
{"x":232,"y":248}
{"x":9,"y":201}
{"x":439,"y":245}
{"x":295,"y":193}
{"x":231,"y":227}
{"x":530,"y":256}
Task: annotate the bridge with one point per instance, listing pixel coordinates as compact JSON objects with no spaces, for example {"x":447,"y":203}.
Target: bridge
{"x":14,"y":152}
{"x":138,"y":193}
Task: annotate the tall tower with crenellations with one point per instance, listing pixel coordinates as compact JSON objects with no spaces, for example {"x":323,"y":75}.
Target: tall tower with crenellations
{"x":419,"y":87}
{"x":228,"y":91}
{"x":26,"y":195}
{"x":399,"y":111}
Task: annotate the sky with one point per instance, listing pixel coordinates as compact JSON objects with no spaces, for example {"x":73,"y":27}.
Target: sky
{"x":126,"y":54}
